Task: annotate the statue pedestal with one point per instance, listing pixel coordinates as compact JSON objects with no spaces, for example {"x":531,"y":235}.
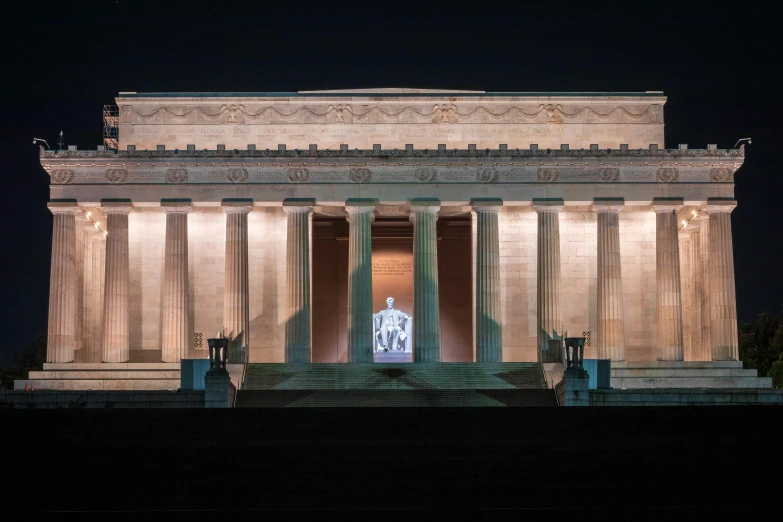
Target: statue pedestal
{"x":577,"y":391}
{"x":218,"y":390}
{"x":393,"y":357}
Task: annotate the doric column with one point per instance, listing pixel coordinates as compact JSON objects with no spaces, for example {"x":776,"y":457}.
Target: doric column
{"x":489,"y":333}
{"x":611,"y":340}
{"x":81,"y":220}
{"x":236,"y":299}
{"x":98,"y":294}
{"x":298,"y":340}
{"x":699,"y":351}
{"x":92,"y":312}
{"x":667,"y":275}
{"x":550,"y":323}
{"x":360,"y":328}
{"x":62,"y":284}
{"x":723,"y":297}
{"x":176,"y":294}
{"x":116,"y":316}
{"x":703,"y":295}
{"x":686,"y":289}
{"x":426,"y":322}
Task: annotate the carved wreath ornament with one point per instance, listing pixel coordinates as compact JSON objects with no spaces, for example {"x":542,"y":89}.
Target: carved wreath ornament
{"x":237,"y":175}
{"x":176,"y":175}
{"x":425,"y":175}
{"x":116,"y":175}
{"x":609,"y":175}
{"x":548,"y":175}
{"x":360,"y":175}
{"x":721,"y":175}
{"x":298,"y":175}
{"x":487,"y":175}
{"x":668,"y":174}
{"x":62,"y":176}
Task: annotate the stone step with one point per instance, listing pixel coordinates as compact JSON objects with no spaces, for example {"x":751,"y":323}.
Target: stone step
{"x":98,"y":384}
{"x":676,"y":364}
{"x":691,"y":382}
{"x":110,"y":366}
{"x":682,"y":372}
{"x":102,"y":374}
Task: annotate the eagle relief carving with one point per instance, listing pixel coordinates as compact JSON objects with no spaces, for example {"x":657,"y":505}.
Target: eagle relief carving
{"x":445,"y":113}
{"x":232,"y":112}
{"x":340,"y":113}
{"x":551,"y":112}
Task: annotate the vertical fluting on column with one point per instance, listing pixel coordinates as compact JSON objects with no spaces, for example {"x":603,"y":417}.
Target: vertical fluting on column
{"x":298,"y":340}
{"x":611,"y":326}
{"x":79,"y":299}
{"x":667,"y":275}
{"x":723,"y":297}
{"x":62,"y":284}
{"x":175,"y":327}
{"x":686,"y":288}
{"x":90,"y":313}
{"x":99,"y":295}
{"x":550,"y":323}
{"x":360,"y":327}
{"x":703,"y":219}
{"x":236,"y":298}
{"x":699,"y":350}
{"x":116,"y":347}
{"x":426,"y":303}
{"x":489,"y":333}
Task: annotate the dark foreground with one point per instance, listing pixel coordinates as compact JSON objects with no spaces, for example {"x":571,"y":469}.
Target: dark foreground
{"x":392,"y":464}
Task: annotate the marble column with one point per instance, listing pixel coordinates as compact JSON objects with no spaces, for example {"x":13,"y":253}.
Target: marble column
{"x":426,"y":307}
{"x":62,"y":284}
{"x":298,"y":340}
{"x":360,"y":213}
{"x":703,"y":220}
{"x":90,"y":350}
{"x":723,"y":297}
{"x":116,"y":340}
{"x":611,"y":327}
{"x":175,"y":327}
{"x":686,"y":288}
{"x":550,"y":323}
{"x":667,"y":275}
{"x":489,"y":333}
{"x":81,"y":219}
{"x":236,"y":299}
{"x":98,"y":254}
{"x":699,"y":351}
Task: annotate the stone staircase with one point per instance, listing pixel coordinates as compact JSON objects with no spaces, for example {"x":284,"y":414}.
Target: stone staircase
{"x":685,"y":374}
{"x":103,"y":376}
{"x":402,"y":385}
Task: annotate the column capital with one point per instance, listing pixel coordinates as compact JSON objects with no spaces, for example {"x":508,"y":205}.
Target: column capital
{"x":237,"y":205}
{"x":720,"y":205}
{"x":667,"y":204}
{"x":298,"y":205}
{"x":486,"y":204}
{"x":548,"y":204}
{"x":63,"y":206}
{"x":608,"y":204}
{"x":176,"y":206}
{"x":425,"y":205}
{"x":360,"y":206}
{"x":116,"y":206}
{"x":699,"y":217}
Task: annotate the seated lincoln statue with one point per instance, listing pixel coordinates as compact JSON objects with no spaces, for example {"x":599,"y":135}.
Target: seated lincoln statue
{"x":392,"y":329}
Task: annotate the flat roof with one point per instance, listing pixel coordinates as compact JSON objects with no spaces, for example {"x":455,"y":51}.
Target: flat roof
{"x":369,"y":92}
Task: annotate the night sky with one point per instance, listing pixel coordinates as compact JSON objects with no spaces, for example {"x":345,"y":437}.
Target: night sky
{"x":63,"y":61}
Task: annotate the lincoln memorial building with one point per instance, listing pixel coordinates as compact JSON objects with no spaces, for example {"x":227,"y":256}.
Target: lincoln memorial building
{"x":495,"y":222}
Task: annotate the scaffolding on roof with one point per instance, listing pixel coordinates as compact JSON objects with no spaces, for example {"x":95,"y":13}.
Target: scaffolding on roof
{"x":111,"y":126}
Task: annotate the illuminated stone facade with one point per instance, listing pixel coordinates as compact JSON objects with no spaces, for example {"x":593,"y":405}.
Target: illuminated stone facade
{"x":574,"y":206}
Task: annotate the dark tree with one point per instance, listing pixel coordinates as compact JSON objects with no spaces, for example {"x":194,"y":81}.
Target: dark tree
{"x":761,"y":343}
